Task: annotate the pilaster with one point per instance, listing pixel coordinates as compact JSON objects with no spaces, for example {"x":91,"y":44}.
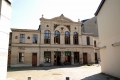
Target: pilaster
{"x":72,"y":56}
{"x":62,"y":39}
{"x":52,"y":37}
{"x":62,"y":56}
{"x":52,"y":58}
{"x":71,"y":39}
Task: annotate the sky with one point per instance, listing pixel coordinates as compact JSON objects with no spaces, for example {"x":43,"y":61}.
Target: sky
{"x":26,"y":13}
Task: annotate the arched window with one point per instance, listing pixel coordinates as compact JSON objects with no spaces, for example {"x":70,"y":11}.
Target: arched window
{"x":57,"y":37}
{"x":67,"y":37}
{"x":75,"y":38}
{"x":47,"y":37}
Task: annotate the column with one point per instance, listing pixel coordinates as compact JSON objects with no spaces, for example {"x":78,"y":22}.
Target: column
{"x":80,"y":57}
{"x":52,"y":37}
{"x":72,"y":56}
{"x":42,"y":37}
{"x":62,"y":56}
{"x":71,"y":39}
{"x":80,"y":40}
{"x":62,"y":39}
{"x":42,"y":57}
{"x":52,"y":58}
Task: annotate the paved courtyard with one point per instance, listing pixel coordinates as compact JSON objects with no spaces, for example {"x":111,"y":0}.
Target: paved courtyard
{"x":56,"y":73}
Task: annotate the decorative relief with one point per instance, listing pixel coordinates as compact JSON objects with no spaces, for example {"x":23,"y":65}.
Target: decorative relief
{"x":75,"y":28}
{"x":28,"y":37}
{"x":21,"y":48}
{"x":62,"y":29}
{"x":16,"y":37}
{"x":68,"y":26}
{"x":47,"y":26}
{"x":55,"y":26}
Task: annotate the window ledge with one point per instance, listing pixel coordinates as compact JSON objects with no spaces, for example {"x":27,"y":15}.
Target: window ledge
{"x":116,"y":44}
{"x":102,"y":47}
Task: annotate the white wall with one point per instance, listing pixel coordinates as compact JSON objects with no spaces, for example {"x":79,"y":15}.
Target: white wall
{"x":109,"y":33}
{"x":4,"y":35}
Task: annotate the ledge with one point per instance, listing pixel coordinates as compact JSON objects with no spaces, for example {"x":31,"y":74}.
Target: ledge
{"x":102,"y":47}
{"x":8,"y":1}
{"x":116,"y":44}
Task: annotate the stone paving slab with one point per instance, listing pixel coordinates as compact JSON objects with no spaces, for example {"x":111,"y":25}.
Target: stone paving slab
{"x":57,"y":73}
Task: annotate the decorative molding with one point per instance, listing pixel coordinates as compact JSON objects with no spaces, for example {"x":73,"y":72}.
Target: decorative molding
{"x":16,"y":37}
{"x":21,"y":48}
{"x":102,"y":47}
{"x":116,"y":44}
{"x":28,"y":37}
{"x":47,"y":26}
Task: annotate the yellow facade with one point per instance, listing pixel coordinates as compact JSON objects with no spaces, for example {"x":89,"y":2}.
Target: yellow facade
{"x":48,"y":53}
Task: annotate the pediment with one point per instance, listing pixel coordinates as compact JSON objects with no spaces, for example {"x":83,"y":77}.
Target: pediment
{"x":61,"y":18}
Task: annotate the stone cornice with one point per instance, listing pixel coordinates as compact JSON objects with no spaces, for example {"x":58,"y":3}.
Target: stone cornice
{"x":24,"y":30}
{"x":60,"y":19}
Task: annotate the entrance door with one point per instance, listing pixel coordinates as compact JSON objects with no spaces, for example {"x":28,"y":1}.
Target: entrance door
{"x":84,"y":58}
{"x":96,"y":61}
{"x":57,"y":58}
{"x":67,"y":58}
{"x":34,"y":59}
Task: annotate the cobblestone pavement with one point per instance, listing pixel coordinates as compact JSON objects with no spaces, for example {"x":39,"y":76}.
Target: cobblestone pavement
{"x":56,"y":73}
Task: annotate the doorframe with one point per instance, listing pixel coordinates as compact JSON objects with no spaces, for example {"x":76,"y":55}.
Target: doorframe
{"x":57,"y":54}
{"x":32,"y":59}
{"x":86,"y":58}
{"x":96,"y":57}
{"x":68,"y":63}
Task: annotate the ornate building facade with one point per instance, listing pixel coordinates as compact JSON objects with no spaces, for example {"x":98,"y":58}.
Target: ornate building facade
{"x":58,"y":41}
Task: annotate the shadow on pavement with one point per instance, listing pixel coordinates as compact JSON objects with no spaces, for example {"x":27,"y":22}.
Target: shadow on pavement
{"x":100,"y":76}
{"x":9,"y":69}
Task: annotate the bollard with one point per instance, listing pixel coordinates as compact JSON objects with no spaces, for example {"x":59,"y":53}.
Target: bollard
{"x":29,"y":78}
{"x":67,"y":78}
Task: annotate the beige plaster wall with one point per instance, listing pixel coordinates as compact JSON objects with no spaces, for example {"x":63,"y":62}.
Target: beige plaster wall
{"x":109,"y":33}
{"x":84,"y":39}
{"x":90,"y":54}
{"x":97,"y":41}
{"x":30,"y":34}
{"x":28,"y":49}
{"x":27,"y":56}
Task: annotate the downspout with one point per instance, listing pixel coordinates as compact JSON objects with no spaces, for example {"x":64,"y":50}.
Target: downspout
{"x":82,"y":48}
{"x":81,"y":43}
{"x":39,"y":46}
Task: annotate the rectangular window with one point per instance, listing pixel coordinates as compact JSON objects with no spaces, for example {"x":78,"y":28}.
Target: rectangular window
{"x":22,"y":38}
{"x":47,"y":57}
{"x":35,"y":38}
{"x":94,"y":43}
{"x":21,"y":57}
{"x":76,"y":57}
{"x":88,"y":40}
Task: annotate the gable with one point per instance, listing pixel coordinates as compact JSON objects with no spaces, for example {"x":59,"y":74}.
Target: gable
{"x":61,"y":18}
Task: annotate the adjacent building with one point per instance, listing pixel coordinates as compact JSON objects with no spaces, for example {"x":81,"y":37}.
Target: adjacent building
{"x":91,"y":26}
{"x":108,"y":17}
{"x":58,"y":41}
{"x":5,"y":14}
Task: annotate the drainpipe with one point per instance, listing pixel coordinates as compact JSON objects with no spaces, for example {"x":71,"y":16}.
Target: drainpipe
{"x":39,"y":44}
